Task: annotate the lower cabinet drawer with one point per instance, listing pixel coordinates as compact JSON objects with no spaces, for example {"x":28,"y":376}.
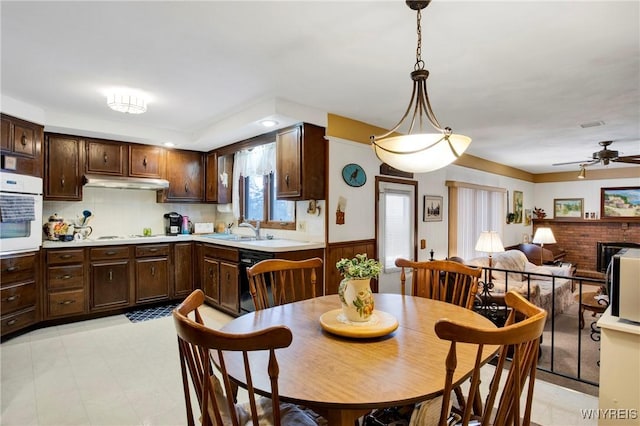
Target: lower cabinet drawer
{"x":65,"y":303}
{"x":18,"y":320}
{"x":66,"y":276}
{"x":17,"y":296}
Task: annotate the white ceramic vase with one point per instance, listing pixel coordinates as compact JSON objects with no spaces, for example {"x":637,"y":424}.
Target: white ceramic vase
{"x":357,"y":299}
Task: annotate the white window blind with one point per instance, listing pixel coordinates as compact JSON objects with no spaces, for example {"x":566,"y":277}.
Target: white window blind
{"x":397,"y":223}
{"x":478,"y":210}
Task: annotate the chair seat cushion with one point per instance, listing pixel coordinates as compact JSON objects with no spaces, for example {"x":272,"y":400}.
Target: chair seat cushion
{"x":291,"y":414}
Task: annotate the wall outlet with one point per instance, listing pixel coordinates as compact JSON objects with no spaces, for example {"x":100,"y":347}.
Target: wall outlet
{"x":302,"y":226}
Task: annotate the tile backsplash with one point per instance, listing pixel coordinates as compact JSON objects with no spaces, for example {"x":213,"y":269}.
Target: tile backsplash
{"x":128,"y":211}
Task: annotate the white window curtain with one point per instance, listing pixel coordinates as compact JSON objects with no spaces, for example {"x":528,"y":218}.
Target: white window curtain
{"x":478,"y":210}
{"x":260,"y":161}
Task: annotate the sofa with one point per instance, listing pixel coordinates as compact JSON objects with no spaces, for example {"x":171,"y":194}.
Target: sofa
{"x":512,"y":270}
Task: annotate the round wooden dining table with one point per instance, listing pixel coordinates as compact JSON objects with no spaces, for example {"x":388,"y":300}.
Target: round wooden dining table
{"x":343,"y":378}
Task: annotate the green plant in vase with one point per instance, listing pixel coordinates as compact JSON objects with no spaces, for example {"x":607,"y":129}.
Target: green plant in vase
{"x":355,"y":289}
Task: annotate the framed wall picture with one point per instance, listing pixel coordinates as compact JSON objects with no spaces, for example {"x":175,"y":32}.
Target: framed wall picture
{"x":517,"y":206}
{"x":568,"y":208}
{"x":432,"y":208}
{"x":527,"y":216}
{"x":620,"y":203}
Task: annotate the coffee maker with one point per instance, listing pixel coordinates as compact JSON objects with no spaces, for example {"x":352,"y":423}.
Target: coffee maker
{"x":172,"y":223}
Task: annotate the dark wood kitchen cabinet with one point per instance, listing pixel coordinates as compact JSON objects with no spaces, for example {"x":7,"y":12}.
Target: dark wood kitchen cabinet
{"x":183,"y":262}
{"x":65,"y":283}
{"x":21,"y":146}
{"x":219,"y":277}
{"x":219,"y":181}
{"x":146,"y":161}
{"x":19,"y":290}
{"x":185,"y":173}
{"x":105,"y":157}
{"x":63,"y":167}
{"x":110,"y":272}
{"x":301,"y":153}
{"x":152,"y":272}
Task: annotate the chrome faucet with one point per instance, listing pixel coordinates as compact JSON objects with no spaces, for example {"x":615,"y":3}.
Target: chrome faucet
{"x":256,"y":229}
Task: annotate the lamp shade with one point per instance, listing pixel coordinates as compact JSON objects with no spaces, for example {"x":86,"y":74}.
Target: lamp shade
{"x":544,"y":236}
{"x":489,"y":242}
{"x":420,"y":152}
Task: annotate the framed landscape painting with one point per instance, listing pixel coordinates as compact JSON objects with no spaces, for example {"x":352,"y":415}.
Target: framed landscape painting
{"x":568,"y":208}
{"x":620,"y":203}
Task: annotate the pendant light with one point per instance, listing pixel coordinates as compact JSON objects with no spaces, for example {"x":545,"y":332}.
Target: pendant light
{"x":418,"y":151}
{"x":583,"y":172}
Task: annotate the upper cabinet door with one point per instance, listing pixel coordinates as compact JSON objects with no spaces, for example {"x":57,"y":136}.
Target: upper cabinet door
{"x":146,"y":161}
{"x":106,"y":157}
{"x":185,"y":173}
{"x":301,"y":153}
{"x":211,"y":191}
{"x":21,"y":145}
{"x":63,"y":160}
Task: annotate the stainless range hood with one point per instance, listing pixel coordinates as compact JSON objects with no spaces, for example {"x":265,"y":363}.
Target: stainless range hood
{"x":102,"y":181}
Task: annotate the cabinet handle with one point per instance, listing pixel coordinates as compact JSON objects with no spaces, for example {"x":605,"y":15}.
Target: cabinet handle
{"x":12,"y":298}
{"x":153,"y":250}
{"x":110,"y":253}
{"x":105,"y":157}
{"x":286,"y":180}
{"x":210,"y":272}
{"x":62,"y":181}
{"x":67,"y":302}
{"x":153,"y":271}
{"x":228,"y":277}
{"x":110,"y":275}
{"x":12,"y":321}
{"x":12,"y":268}
{"x":65,"y":277}
{"x":64,"y":256}
{"x":144,"y":161}
{"x":23,"y":139}
{"x":186,"y":187}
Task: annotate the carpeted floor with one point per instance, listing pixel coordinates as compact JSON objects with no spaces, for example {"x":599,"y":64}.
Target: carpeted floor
{"x":567,"y":349}
{"x":140,"y":315}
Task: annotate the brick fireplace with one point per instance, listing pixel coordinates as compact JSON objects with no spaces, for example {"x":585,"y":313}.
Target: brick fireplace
{"x":580,"y":238}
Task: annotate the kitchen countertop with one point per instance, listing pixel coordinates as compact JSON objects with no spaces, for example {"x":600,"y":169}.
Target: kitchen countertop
{"x":273,"y":245}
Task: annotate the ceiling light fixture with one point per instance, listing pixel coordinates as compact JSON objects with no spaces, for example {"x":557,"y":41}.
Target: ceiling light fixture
{"x":419,"y":152}
{"x":268,"y":123}
{"x":583,"y":172}
{"x":127,"y":102}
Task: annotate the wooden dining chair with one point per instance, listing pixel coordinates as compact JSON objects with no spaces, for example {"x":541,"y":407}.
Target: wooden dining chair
{"x":519,"y":340}
{"x":199,"y":346}
{"x":443,"y":280}
{"x":275,"y":282}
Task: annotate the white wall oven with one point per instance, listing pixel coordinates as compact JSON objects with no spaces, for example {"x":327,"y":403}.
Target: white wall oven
{"x":20,"y":213}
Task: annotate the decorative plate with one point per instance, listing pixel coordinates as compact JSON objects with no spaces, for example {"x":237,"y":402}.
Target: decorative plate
{"x":380,"y":324}
{"x":354,"y":175}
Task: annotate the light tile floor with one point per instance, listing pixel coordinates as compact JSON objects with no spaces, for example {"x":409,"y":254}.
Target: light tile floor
{"x":110,"y":371}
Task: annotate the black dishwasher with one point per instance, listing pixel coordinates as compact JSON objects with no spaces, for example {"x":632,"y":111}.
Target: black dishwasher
{"x":248,"y":258}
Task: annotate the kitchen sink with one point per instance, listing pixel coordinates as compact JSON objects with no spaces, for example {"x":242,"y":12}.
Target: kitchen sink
{"x":230,"y":237}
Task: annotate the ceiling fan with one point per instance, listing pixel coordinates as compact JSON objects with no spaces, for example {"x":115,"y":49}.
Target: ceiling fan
{"x":605,"y":156}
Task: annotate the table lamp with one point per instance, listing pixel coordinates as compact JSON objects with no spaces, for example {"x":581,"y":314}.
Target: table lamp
{"x":543,"y":236}
{"x":489,"y":242}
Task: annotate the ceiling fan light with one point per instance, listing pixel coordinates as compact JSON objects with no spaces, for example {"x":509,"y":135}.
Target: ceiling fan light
{"x":583,"y":173}
{"x":420,"y":153}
